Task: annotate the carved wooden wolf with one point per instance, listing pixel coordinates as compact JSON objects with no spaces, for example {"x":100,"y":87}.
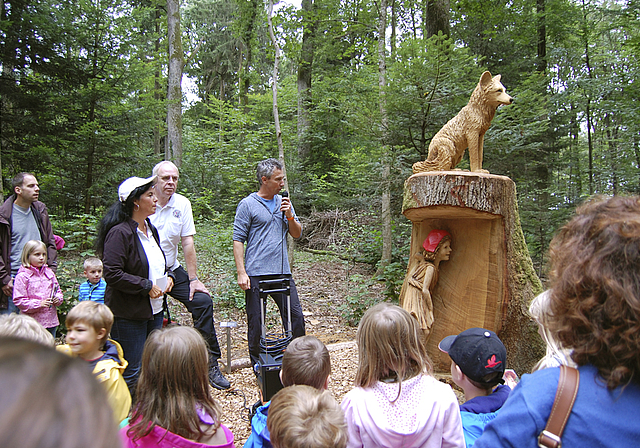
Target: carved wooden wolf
{"x":466,"y":129}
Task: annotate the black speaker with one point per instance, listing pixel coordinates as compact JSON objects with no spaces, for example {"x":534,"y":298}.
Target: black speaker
{"x":268,"y":370}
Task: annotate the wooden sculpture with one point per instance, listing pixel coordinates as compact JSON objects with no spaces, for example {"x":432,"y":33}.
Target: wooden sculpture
{"x":423,"y":276}
{"x":467,"y":129}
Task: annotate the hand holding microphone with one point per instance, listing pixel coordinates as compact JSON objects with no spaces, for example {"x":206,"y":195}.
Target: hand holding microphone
{"x":286,"y":204}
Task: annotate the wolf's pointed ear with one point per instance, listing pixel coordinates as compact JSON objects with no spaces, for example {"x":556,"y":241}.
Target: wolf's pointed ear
{"x":485,"y":79}
{"x":497,"y":78}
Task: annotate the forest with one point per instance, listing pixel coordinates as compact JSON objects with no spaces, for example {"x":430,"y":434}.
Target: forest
{"x":348,"y":92}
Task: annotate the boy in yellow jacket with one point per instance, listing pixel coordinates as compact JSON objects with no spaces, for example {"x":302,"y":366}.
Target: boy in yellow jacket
{"x":88,"y":325}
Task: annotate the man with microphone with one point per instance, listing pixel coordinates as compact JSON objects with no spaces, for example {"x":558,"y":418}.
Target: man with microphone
{"x":262,"y":221}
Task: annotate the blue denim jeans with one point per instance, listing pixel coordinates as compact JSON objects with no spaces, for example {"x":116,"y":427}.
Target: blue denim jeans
{"x":131,"y":335}
{"x":12,"y":308}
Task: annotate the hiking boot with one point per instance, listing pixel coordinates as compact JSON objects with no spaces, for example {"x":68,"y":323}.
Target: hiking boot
{"x":218,"y":380}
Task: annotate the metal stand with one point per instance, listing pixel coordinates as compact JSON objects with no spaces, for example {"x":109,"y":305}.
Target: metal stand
{"x":272,"y":347}
{"x":228,"y":326}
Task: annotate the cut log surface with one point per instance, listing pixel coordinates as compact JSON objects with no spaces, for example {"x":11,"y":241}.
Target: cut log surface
{"x":489,"y":280}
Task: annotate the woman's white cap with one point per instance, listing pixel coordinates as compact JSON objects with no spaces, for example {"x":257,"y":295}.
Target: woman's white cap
{"x":126,"y":187}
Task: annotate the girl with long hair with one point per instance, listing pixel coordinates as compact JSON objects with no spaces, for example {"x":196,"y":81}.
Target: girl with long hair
{"x":397,"y":401}
{"x":174,"y":406}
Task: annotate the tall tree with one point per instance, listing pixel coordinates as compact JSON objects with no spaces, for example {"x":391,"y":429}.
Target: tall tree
{"x":387,"y":241}
{"x":173,"y":149}
{"x":305,"y":69}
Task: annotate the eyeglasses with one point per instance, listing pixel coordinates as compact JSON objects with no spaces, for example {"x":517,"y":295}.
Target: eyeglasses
{"x":168,"y":178}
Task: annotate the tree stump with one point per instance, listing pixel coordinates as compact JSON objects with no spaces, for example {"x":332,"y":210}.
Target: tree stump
{"x":489,"y":280}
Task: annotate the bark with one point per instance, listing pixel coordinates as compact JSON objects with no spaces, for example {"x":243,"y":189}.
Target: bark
{"x":276,"y":118}
{"x":157,"y":137}
{"x":305,"y":68}
{"x":274,"y":87}
{"x":542,"y":36}
{"x":436,"y":17}
{"x":384,"y":131}
{"x":173,"y":150}
{"x":248,"y":15}
{"x":588,"y":98}
{"x":489,"y":280}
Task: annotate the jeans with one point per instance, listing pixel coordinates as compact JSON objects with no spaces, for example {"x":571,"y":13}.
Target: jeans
{"x":201,"y":308}
{"x":254,"y":320}
{"x":131,"y":335}
{"x":11,"y":308}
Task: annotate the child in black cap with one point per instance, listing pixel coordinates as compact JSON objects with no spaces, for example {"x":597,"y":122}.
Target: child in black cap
{"x":478,"y":364}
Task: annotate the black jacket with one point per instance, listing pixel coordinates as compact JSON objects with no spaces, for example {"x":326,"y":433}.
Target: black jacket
{"x":126,"y":271}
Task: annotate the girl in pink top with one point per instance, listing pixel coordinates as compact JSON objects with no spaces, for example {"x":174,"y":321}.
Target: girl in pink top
{"x":36,"y":291}
{"x":174,"y":407}
{"x":397,"y":402}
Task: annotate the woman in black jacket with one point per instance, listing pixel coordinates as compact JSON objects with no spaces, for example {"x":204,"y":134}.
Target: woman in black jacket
{"x":135,"y":270}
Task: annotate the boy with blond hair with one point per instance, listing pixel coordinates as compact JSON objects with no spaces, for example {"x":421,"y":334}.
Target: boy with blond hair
{"x":22,"y":326}
{"x":306,"y":361}
{"x":305,"y":417}
{"x":88,"y":325}
{"x":95,"y":286}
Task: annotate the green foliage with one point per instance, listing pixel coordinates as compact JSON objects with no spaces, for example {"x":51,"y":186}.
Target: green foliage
{"x":78,"y":232}
{"x":69,"y":280}
{"x":214,"y":244}
{"x":358,"y":300}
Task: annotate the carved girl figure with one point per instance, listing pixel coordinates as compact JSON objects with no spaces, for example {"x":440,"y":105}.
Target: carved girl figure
{"x":423,"y":277}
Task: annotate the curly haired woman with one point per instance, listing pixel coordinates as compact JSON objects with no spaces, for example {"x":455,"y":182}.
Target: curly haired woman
{"x":594,"y":311}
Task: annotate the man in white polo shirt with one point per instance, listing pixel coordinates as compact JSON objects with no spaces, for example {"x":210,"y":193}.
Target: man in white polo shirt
{"x":174,"y":221}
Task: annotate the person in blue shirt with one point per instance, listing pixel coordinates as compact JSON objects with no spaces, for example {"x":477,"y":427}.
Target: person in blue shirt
{"x":594,"y":312}
{"x":94,"y":287}
{"x":478,"y":362}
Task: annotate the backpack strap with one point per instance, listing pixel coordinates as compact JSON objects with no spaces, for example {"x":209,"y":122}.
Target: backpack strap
{"x":551,"y":436}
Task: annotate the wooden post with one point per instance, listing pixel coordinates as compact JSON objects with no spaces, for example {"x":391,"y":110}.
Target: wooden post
{"x":489,"y":280}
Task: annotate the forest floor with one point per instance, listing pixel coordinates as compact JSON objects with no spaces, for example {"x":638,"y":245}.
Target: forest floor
{"x":322,"y":286}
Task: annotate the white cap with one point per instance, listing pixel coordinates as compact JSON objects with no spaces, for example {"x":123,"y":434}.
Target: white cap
{"x":126,"y":187}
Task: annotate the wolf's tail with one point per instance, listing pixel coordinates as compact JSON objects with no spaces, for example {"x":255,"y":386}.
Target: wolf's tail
{"x":427,"y":165}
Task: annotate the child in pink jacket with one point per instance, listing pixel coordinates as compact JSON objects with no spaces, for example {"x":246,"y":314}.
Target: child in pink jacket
{"x":36,"y":291}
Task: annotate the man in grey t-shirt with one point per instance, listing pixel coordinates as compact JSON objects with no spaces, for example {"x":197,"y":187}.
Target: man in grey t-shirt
{"x":22,"y":218}
{"x":262,"y":221}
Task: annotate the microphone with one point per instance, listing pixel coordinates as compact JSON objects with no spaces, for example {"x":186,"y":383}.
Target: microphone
{"x":284,"y":194}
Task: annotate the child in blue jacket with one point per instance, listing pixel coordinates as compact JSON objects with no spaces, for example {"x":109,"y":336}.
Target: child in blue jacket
{"x":478,"y":362}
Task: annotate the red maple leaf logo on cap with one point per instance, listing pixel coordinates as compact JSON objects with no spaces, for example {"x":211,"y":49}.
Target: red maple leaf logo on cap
{"x":491,"y":362}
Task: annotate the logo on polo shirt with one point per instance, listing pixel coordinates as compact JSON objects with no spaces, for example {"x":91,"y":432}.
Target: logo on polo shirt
{"x":177,"y":213}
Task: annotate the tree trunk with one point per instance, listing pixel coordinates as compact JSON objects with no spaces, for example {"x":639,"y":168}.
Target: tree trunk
{"x":385,"y":259}
{"x":542,"y":36}
{"x":436,"y":17}
{"x":157,"y":135}
{"x":276,"y":118}
{"x":305,"y":66}
{"x":489,"y":280}
{"x":247,"y":13}
{"x":173,"y":149}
